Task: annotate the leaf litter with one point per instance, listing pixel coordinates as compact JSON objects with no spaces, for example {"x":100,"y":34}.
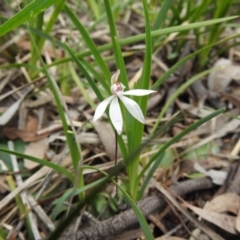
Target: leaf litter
{"x":21,"y":100}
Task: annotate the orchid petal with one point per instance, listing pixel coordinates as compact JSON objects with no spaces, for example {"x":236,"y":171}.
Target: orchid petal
{"x":101,"y":108}
{"x":115,"y":76}
{"x":116,"y":115}
{"x":133,"y":108}
{"x":138,"y":92}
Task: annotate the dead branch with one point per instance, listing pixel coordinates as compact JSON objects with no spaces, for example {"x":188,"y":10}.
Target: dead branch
{"x":119,"y":223}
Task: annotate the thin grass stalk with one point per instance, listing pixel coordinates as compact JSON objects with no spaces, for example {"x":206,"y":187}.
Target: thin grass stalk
{"x":186,"y":131}
{"x":132,"y":39}
{"x":23,"y":211}
{"x":89,"y":42}
{"x":95,"y":7}
{"x":74,"y":148}
{"x":164,"y":77}
{"x":42,"y":162}
{"x":177,"y":93}
{"x":215,"y":30}
{"x":161,"y":16}
{"x":40,"y":40}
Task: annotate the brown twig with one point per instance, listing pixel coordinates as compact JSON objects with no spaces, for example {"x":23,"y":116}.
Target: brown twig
{"x":119,"y":223}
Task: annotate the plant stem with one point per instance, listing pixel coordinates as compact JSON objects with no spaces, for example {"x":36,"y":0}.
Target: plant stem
{"x":116,"y":152}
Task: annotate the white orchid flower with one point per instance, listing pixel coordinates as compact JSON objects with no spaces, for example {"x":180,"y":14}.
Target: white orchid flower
{"x":117,"y":90}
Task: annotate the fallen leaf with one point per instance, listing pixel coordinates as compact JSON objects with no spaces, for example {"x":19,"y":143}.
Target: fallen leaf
{"x":227,"y":202}
{"x":154,"y":100}
{"x":14,"y":133}
{"x":35,"y":149}
{"x":237,"y":223}
{"x":10,"y":112}
{"x":220,"y":79}
{"x":218,"y":177}
{"x":31,"y":124}
{"x":106,"y":134}
{"x":223,"y":221}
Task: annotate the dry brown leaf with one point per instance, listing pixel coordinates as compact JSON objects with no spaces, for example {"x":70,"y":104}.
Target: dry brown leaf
{"x":35,"y":149}
{"x":106,"y":134}
{"x":237,"y":223}
{"x":228,"y":202}
{"x":14,"y":133}
{"x":31,"y":124}
{"x":223,"y":221}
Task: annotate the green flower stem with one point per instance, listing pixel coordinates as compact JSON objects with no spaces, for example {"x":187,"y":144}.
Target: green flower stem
{"x":136,"y":128}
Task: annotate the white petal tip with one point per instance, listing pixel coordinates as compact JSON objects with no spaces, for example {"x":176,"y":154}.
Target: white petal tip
{"x":119,"y":132}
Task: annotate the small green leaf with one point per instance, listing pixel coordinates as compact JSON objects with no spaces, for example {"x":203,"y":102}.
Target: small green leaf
{"x":99,"y":203}
{"x":195,"y":175}
{"x":202,"y":152}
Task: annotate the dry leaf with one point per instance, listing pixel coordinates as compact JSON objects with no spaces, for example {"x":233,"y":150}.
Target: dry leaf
{"x":35,"y":149}
{"x":14,"y":133}
{"x":10,"y":112}
{"x":228,"y":202}
{"x":223,"y":221}
{"x":218,"y":80}
{"x":154,"y":100}
{"x":218,"y":177}
{"x":106,"y":134}
{"x":237,"y":223}
{"x":31,"y":124}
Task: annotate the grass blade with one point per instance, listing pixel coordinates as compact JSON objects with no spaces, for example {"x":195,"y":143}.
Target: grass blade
{"x":136,"y":38}
{"x":54,"y":166}
{"x":150,"y":174}
{"x":186,"y":131}
{"x":141,"y":219}
{"x":88,"y":40}
{"x":177,"y":93}
{"x":85,"y":73}
{"x":31,"y":10}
